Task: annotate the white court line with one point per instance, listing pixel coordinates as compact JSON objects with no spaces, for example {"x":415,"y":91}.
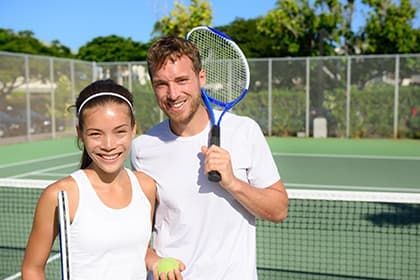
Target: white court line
{"x":50,"y":174}
{"x":344,"y":187}
{"x":37,"y":160}
{"x":39,"y":171}
{"x":19,"y":274}
{"x":347,"y":156}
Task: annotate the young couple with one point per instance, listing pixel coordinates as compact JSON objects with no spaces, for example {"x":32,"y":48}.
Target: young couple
{"x":208,"y":227}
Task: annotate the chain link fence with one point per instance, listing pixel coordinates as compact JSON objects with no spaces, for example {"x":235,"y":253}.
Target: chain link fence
{"x":374,"y":96}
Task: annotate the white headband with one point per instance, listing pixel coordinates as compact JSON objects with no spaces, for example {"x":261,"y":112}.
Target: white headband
{"x":103,"y":94}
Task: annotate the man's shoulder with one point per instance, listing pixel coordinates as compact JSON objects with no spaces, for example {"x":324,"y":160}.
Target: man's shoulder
{"x":238,"y":120}
{"x":153,"y":134}
{"x":158,"y":129}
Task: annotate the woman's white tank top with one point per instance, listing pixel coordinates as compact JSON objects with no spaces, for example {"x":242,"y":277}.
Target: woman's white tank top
{"x":109,"y":243}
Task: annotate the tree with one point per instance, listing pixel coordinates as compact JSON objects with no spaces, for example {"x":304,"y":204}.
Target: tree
{"x":308,"y":28}
{"x":246,"y":34}
{"x":25,"y":42}
{"x":113,"y":48}
{"x":59,"y":50}
{"x":303,"y":27}
{"x":182,"y":19}
{"x":349,"y":39}
{"x":389,"y":27}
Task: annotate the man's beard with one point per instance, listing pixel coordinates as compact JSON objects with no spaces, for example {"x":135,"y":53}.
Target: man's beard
{"x":184,"y":118}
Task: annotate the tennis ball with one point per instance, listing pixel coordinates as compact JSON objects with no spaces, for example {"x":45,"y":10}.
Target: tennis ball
{"x":167,"y":264}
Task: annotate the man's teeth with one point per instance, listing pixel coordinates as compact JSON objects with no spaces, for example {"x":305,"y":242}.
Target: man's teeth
{"x":177,"y":104}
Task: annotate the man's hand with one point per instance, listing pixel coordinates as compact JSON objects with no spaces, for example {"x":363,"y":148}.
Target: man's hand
{"x":218,"y":159}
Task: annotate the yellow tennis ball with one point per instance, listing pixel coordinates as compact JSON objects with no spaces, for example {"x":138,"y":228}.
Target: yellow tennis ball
{"x":167,"y":264}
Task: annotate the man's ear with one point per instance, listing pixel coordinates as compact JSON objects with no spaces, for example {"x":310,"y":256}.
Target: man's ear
{"x":202,"y":77}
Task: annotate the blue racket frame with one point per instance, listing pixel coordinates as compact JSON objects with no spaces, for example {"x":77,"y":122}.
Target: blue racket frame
{"x":215,"y":176}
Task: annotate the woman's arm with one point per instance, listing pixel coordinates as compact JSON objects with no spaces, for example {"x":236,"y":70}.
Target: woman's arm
{"x":43,"y":233}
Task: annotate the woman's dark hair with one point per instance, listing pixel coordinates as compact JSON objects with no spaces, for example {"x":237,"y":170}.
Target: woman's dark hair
{"x":101,"y":86}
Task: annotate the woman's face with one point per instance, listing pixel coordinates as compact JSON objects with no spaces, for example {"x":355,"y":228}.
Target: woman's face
{"x":107,"y":134}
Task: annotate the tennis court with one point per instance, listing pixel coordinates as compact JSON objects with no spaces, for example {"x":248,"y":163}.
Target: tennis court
{"x":354,"y":208}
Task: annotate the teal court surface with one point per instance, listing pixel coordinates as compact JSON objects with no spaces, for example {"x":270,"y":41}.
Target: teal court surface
{"x":354,"y":210}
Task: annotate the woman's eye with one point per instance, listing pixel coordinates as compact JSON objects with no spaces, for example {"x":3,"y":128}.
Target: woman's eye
{"x":93,"y":134}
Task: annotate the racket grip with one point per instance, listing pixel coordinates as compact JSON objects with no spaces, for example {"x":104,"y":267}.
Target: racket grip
{"x":215,"y":135}
{"x":214,"y":176}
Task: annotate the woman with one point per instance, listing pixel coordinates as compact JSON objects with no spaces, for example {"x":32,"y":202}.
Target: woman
{"x":110,"y":206}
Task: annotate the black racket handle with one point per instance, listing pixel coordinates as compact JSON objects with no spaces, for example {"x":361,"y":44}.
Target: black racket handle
{"x":214,"y":176}
{"x":215,"y":135}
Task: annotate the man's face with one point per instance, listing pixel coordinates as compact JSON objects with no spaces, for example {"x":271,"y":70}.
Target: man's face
{"x":177,"y":89}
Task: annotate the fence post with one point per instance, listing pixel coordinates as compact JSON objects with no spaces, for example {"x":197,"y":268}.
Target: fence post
{"x":52,"y":95}
{"x":94,"y":72}
{"x":73,"y":89}
{"x":396,"y":94}
{"x":307,"y":96}
{"x":28,"y":98}
{"x":348,"y":97}
{"x":130,"y":80}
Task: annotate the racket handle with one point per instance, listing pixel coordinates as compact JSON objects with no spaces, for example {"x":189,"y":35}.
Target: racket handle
{"x":214,"y":176}
{"x":215,"y":135}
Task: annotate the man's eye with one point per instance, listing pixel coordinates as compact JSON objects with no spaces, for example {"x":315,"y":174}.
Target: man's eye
{"x":159,"y":85}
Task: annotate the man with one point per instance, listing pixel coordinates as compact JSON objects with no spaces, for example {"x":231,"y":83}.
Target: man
{"x":208,"y":226}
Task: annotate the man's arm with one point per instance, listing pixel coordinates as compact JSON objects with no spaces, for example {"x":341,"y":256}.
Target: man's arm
{"x":268,"y":203}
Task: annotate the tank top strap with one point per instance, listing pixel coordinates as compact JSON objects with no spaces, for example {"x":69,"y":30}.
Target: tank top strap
{"x":79,"y":177}
{"x":137,"y":191}
{"x":83,"y":183}
{"x":134,"y":182}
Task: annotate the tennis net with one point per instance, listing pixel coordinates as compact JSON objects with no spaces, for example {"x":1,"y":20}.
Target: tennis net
{"x":18,"y":200}
{"x":327,"y":235}
{"x":343,"y":235}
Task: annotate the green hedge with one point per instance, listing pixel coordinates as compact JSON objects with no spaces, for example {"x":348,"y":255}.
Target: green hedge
{"x":371,"y":111}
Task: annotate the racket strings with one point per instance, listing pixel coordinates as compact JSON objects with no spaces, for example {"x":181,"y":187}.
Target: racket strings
{"x":225,"y":67}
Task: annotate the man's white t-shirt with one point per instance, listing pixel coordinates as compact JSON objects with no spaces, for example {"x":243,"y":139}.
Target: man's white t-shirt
{"x":196,"y":220}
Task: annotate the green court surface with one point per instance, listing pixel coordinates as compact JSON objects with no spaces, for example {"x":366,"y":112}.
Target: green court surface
{"x":384,"y":147}
{"x":319,"y":239}
{"x":342,"y":164}
{"x":390,"y":165}
{"x":16,"y":153}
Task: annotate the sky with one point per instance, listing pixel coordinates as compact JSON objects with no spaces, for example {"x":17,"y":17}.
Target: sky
{"x":76,"y":22}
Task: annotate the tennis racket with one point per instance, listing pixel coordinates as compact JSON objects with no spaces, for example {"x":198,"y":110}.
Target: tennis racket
{"x":64,"y":234}
{"x":227,"y":76}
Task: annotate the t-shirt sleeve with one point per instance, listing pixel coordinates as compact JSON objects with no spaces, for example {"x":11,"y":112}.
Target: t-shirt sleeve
{"x":135,"y":163}
{"x":140,"y":157}
{"x":263,"y":171}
